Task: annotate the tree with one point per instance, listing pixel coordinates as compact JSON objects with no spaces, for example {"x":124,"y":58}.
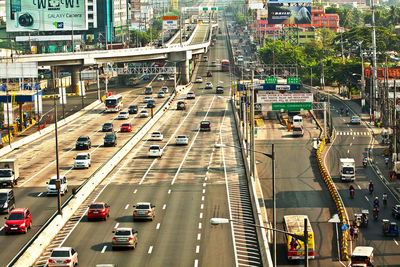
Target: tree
{"x":240,"y":19}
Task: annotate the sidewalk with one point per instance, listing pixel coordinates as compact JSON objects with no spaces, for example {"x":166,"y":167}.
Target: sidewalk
{"x":376,"y":156}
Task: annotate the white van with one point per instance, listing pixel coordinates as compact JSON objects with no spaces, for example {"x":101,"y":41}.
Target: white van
{"x":297,"y":120}
{"x":51,"y":185}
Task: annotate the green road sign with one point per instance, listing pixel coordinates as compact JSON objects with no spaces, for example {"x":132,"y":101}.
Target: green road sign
{"x":292,"y":106}
{"x":213,"y":8}
{"x":221,"y":8}
{"x":292,"y":80}
{"x":205,"y":8}
{"x":271,"y":80}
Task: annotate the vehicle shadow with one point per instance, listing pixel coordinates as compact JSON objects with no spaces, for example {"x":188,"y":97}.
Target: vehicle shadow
{"x":99,"y":247}
{"x":123,"y":219}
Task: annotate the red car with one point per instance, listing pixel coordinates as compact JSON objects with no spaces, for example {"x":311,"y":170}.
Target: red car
{"x":209,"y":74}
{"x":126,"y":127}
{"x":98,"y":211}
{"x":18,"y":221}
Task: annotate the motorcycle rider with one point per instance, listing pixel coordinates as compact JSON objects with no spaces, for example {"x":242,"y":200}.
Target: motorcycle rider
{"x":371,"y":187}
{"x":365,"y":161}
{"x":376,"y":212}
{"x":376,"y":202}
{"x":352,"y":190}
{"x":384,"y":199}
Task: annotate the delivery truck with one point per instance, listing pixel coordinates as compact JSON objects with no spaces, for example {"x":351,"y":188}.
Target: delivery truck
{"x":9,"y":172}
{"x":347,"y":169}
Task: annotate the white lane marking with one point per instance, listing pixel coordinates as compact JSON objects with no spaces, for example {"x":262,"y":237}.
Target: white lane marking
{"x":204,"y":184}
{"x":196,"y":263}
{"x":353,"y":137}
{"x":202,"y":206}
{"x":169,"y":140}
{"x":127,"y":206}
{"x":395,"y":241}
{"x":1,"y":229}
{"x":204,"y":191}
{"x":48,"y":165}
{"x":359,"y":187}
{"x":191,"y":145}
{"x":367,"y":198}
{"x":351,"y":144}
{"x":169,"y":191}
{"x":164,"y":206}
{"x":199,"y":225}
{"x":197,"y":249}
{"x":201,"y":215}
{"x":135,"y":191}
{"x":348,"y":151}
{"x":104,"y":249}
{"x":150,"y":250}
{"x":41,"y":193}
{"x":116,"y":225}
{"x":198,"y":236}
{"x":202,"y":198}
{"x":158,"y":226}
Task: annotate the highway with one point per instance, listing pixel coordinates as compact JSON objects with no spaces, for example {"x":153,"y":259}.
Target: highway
{"x":37,"y":164}
{"x":353,"y":141}
{"x":188,"y":185}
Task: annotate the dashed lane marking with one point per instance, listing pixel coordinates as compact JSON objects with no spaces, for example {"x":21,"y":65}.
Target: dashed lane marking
{"x":104,"y":249}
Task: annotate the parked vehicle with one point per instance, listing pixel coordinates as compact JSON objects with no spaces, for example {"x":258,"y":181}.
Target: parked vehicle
{"x":9,"y":172}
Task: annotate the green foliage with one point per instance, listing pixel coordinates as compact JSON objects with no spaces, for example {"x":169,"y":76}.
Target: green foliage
{"x":240,"y":19}
{"x":157,"y":24}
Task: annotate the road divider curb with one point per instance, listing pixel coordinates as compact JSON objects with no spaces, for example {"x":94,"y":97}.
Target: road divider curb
{"x":47,"y":130}
{"x":43,"y":238}
{"x":344,"y":244}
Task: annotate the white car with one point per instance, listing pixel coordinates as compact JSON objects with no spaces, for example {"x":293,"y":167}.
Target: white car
{"x":355,"y":120}
{"x":147,"y":99}
{"x":143,"y":113}
{"x":164,"y":89}
{"x":63,"y":256}
{"x":160,"y":78}
{"x":155,"y":151}
{"x":199,"y":79}
{"x":190,"y":95}
{"x":182,"y":140}
{"x":123,"y":115}
{"x":161,"y":94}
{"x":51,"y":186}
{"x":171,"y":78}
{"x":298,"y":130}
{"x":209,"y":85}
{"x":156,"y":136}
{"x":82,"y":160}
{"x":214,"y":64}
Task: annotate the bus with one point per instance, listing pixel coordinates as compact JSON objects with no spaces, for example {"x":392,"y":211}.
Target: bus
{"x":225,"y":65}
{"x":114,"y":103}
{"x":295,"y":224}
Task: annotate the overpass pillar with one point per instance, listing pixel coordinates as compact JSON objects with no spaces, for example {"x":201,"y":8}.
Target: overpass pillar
{"x":182,"y":60}
{"x":75,"y":77}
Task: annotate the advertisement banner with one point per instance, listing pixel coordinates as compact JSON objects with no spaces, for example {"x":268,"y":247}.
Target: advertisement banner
{"x":267,"y":98}
{"x":18,"y":70}
{"x":38,"y":105}
{"x":8,"y":113}
{"x":46,"y":15}
{"x":279,"y":14}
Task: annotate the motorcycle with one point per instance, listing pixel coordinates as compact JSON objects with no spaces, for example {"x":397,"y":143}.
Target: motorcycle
{"x":352,"y":193}
{"x":384,"y":199}
{"x":376,"y":213}
{"x":365,"y":163}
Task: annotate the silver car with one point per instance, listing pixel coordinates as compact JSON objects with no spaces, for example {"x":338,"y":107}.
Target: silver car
{"x":125,"y":237}
{"x":144,"y":210}
{"x":144,"y":113}
{"x":182,"y":140}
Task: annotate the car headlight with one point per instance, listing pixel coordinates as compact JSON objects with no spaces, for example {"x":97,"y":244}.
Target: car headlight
{"x":5,"y":225}
{"x":5,"y":205}
{"x":22,"y":225}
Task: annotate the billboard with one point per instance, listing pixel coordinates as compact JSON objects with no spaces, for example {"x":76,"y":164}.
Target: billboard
{"x":45,"y":15}
{"x":170,"y":22}
{"x":279,"y":14}
{"x":268,"y":98}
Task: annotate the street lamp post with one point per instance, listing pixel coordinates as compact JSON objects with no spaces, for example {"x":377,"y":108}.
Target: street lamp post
{"x":58,"y":182}
{"x":271,"y":156}
{"x":304,"y":238}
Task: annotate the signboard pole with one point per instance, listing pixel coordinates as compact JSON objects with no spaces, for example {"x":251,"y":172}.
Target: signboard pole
{"x":8,"y":109}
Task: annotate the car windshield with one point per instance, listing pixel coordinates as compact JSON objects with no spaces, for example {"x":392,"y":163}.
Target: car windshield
{"x":107,"y":125}
{"x":205,"y":123}
{"x":154,"y":147}
{"x":156,"y":134}
{"x":16,"y":216}
{"x":123,"y":232}
{"x":3,"y":197}
{"x":133,"y":107}
{"x":82,"y":139}
{"x":123,"y":112}
{"x":52,"y":181}
{"x":143,"y":111}
{"x":348,"y":170}
{"x":181,"y":136}
{"x":125,"y":125}
{"x":81,"y":157}
{"x":96,"y":206}
{"x":60,"y":254}
{"x":109,"y":136}
{"x":398,"y":209}
{"x":5,"y":173}
{"x":143,"y":207}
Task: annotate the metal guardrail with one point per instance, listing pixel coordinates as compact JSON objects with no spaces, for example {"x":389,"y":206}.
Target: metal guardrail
{"x":27,"y":244}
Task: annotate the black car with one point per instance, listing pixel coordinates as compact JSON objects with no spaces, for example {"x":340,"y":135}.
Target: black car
{"x":110,"y":139}
{"x":107,"y":127}
{"x":7,"y":200}
{"x":151,"y":104}
{"x":205,"y":126}
{"x":133,"y":109}
{"x":220,"y":89}
{"x":146,"y":77}
{"x":180,"y":105}
{"x":83,"y":142}
{"x":396,"y":211}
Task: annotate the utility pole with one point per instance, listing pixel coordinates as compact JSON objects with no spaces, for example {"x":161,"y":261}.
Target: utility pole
{"x":395,"y":121}
{"x":374,"y":76}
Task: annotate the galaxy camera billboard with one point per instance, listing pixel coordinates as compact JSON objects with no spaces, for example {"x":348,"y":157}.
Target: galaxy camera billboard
{"x":280,"y":14}
{"x":46,"y":15}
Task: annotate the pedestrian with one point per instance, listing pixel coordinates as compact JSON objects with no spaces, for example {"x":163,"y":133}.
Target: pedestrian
{"x":390,"y":173}
{"x":393,"y":175}
{"x":387,"y":160}
{"x":351,"y":232}
{"x":355,"y":233}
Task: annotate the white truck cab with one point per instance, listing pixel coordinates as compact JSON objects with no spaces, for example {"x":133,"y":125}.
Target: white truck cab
{"x":9,"y":172}
{"x":347,"y":169}
{"x":52,"y":188}
{"x":297,"y":120}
